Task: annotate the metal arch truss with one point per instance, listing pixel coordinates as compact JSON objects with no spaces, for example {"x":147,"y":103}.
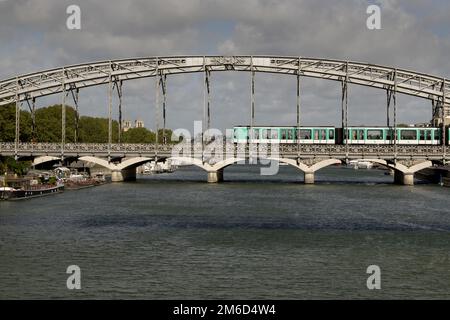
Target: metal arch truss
{"x":48,"y":82}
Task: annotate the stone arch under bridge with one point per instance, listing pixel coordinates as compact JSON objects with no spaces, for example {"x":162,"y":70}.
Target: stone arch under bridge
{"x":126,"y":170}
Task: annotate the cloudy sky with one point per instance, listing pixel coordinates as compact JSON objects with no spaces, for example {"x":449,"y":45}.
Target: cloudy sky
{"x":415,"y":35}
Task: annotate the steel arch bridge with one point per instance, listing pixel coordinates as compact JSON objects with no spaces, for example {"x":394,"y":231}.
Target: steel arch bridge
{"x":53,"y":81}
{"x":70,"y":79}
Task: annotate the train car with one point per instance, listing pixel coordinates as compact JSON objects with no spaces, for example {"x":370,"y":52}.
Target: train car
{"x":384,"y":135}
{"x":331,"y":135}
{"x":448,"y":136}
{"x":285,"y":135}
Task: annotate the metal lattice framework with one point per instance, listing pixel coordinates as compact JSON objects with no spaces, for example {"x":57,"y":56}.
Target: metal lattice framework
{"x":69,"y":80}
{"x":54,"y":81}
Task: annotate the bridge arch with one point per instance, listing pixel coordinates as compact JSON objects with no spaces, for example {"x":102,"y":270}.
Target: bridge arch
{"x":101,"y":162}
{"x":44,"y":159}
{"x":52,"y":81}
{"x":215,"y":172}
{"x":400,"y":167}
{"x":133,"y":162}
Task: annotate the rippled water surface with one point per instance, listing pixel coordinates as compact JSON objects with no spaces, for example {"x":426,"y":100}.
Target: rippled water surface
{"x":252,"y":237}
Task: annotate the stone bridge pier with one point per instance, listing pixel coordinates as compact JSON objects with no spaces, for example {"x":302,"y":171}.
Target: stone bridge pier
{"x":404,"y":170}
{"x":215,"y":176}
{"x":123,"y":175}
{"x":308,"y":167}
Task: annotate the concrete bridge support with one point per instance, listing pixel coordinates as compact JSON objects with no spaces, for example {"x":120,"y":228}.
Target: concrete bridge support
{"x":215,"y":176}
{"x":404,"y":170}
{"x":123,"y":175}
{"x":402,"y":178}
{"x":309,"y":177}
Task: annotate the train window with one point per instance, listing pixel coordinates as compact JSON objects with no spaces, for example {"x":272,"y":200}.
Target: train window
{"x":316,"y":135}
{"x":361,"y":134}
{"x":408,"y":135}
{"x":305,"y":134}
{"x":283,"y":134}
{"x":437,"y":135}
{"x":264,"y":134}
{"x":290,"y":135}
{"x":354,"y":134}
{"x":274,"y":134}
{"x":422,"y":135}
{"x":331,"y":134}
{"x":256,"y":133}
{"x":428,"y":135}
{"x":374,"y":134}
{"x":323,"y":134}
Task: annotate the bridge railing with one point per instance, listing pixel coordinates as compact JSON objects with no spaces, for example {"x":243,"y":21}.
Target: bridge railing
{"x":223,"y":151}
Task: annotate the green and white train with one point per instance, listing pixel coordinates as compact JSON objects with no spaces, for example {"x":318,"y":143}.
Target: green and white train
{"x":332,"y":135}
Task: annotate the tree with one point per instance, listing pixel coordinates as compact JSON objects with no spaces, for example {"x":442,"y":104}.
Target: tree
{"x":9,"y":164}
{"x":138,"y":135}
{"x":167,"y":134}
{"x":8,"y":124}
{"x":48,"y":127}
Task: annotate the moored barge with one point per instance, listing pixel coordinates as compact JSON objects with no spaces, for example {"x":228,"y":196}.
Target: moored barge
{"x":8,"y":193}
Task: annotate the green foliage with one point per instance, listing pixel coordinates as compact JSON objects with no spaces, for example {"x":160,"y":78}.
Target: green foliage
{"x":10,"y":165}
{"x":95,"y":130}
{"x":8,"y":124}
{"x":138,"y":135}
{"x":167,"y":134}
{"x":52,"y":180}
{"x":90,"y":129}
{"x":48,"y":127}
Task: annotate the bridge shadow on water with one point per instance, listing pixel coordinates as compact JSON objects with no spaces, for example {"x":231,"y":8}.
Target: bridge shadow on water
{"x":251,"y":174}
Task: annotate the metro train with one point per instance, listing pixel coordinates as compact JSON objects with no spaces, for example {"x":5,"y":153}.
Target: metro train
{"x":332,"y":135}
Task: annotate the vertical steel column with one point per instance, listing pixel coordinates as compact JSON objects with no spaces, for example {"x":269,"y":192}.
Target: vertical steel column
{"x":444,"y":133}
{"x":32,"y":108}
{"x":344,"y":101}
{"x":394,"y":97}
{"x":119,"y":93}
{"x":63,"y":115}
{"x":164,"y":89}
{"x":205,"y":102}
{"x":75,"y":97}
{"x":388,"y":105}
{"x":298,"y":109}
{"x":342,"y":108}
{"x":252,"y":115}
{"x":110,"y":89}
{"x":33,"y":119}
{"x":207,"y":99}
{"x":17,"y":134}
{"x":346,"y":105}
{"x":157,"y":87}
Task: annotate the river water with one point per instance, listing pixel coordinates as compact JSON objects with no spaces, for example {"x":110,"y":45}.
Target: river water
{"x":173,"y":236}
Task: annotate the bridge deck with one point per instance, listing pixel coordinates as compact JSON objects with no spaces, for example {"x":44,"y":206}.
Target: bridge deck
{"x":385,"y":152}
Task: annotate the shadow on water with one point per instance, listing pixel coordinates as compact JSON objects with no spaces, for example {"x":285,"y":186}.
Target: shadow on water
{"x":251,"y":174}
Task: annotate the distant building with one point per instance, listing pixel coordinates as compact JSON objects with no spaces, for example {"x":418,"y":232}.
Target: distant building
{"x":126,"y":125}
{"x":437,"y":115}
{"x":139,"y":124}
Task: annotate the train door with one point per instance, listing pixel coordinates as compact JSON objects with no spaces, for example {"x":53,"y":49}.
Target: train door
{"x":331,"y":136}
